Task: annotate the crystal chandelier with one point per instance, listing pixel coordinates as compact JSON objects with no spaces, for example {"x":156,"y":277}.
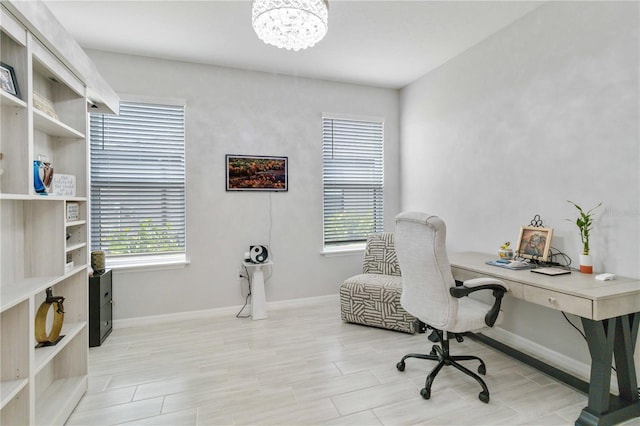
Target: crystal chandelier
{"x":290,"y":24}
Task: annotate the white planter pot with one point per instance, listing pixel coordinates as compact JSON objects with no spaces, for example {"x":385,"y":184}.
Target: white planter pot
{"x":586,"y":263}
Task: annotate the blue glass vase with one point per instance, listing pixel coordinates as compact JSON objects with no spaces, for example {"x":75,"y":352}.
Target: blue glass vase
{"x":42,"y":176}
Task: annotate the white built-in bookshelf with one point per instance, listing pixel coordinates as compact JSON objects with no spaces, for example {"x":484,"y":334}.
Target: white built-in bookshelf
{"x":40,"y":246}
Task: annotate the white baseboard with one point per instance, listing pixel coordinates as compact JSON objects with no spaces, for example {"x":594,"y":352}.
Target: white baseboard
{"x":304,"y":301}
{"x":217,"y":312}
{"x":556,"y":359}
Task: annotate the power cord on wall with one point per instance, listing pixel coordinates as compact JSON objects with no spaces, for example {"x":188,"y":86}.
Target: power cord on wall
{"x":268,"y":277}
{"x":270,"y":224}
{"x":585,"y":339}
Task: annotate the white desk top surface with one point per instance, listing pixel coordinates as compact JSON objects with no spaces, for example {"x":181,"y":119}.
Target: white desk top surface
{"x":608,"y":298}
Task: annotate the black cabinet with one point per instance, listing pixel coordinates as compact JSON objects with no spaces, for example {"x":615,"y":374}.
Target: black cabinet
{"x":100,"y":307}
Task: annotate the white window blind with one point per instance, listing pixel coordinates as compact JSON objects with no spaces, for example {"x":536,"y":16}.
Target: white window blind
{"x":353,"y":179}
{"x":138,"y":180}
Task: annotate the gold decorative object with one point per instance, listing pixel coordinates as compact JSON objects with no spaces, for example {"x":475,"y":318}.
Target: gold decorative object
{"x":51,"y":338}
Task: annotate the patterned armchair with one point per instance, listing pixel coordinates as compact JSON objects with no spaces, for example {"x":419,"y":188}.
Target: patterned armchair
{"x":373,"y":297}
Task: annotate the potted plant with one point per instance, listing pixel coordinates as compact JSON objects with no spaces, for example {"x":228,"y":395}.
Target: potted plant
{"x":584,"y":223}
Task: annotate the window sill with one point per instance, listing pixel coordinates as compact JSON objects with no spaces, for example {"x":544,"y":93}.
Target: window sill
{"x":147,"y":263}
{"x":343,"y":250}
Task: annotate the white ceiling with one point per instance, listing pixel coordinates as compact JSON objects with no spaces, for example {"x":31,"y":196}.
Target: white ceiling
{"x":379,"y":43}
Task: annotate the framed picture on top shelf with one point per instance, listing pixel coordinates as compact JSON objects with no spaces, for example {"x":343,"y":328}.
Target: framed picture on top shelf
{"x":257,"y":173}
{"x":8,"y":81}
{"x":534,"y":243}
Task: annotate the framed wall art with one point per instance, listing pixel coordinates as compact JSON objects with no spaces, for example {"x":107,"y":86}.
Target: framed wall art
{"x":256,"y":173}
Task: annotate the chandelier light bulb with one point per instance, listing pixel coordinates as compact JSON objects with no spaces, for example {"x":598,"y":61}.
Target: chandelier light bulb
{"x":290,"y":24}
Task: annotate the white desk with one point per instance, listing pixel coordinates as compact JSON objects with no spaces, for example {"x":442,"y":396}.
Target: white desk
{"x":258,"y":298}
{"x":610,"y":314}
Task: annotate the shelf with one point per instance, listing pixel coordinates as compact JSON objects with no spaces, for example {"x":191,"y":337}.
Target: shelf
{"x":51,"y":126}
{"x":18,"y":197}
{"x":74,"y":271}
{"x":9,"y":99}
{"x":14,"y":293}
{"x":75,"y":223}
{"x":59,"y":399}
{"x":45,"y":354}
{"x":72,"y":198}
{"x":9,"y":389}
{"x":73,"y":247}
{"x":38,"y":197}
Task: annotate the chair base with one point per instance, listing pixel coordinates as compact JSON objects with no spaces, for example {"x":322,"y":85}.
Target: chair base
{"x":444,"y":357}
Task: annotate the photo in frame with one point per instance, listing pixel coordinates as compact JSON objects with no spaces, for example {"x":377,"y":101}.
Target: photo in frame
{"x":8,"y":81}
{"x":256,"y":173}
{"x":534,"y":243}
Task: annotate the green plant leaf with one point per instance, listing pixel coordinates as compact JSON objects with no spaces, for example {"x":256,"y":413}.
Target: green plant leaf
{"x":584,"y":223}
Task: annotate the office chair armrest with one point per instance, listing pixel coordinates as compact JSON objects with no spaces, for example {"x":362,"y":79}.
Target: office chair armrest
{"x":470,"y":286}
{"x":476,"y":282}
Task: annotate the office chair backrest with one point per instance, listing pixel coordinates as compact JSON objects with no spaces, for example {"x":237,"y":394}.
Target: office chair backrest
{"x":420,"y":241}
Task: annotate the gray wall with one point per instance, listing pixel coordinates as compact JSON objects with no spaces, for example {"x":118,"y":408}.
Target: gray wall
{"x":542,"y":112}
{"x":240,"y":112}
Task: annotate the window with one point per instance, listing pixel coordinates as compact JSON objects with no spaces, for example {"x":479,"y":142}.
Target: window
{"x":138,"y":181}
{"x":353,"y":180}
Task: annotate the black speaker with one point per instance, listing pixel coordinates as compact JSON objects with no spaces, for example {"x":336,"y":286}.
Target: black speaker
{"x":258,"y":254}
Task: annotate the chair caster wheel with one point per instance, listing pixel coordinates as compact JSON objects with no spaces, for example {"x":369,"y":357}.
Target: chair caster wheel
{"x":484,"y":397}
{"x":482,"y":369}
{"x":426,"y":393}
{"x":400,"y":366}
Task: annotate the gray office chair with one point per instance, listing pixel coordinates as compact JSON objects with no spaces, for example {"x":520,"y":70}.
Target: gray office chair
{"x":430,"y":294}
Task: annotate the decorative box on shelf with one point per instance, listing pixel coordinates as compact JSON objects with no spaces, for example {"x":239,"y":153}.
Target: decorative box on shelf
{"x":44,"y":105}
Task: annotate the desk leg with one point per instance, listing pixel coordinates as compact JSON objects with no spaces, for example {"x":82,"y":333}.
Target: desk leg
{"x":258,"y":299}
{"x":608,"y":339}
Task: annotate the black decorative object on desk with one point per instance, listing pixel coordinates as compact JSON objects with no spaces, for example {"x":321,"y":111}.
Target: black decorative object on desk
{"x":100,"y":307}
{"x":536,"y":222}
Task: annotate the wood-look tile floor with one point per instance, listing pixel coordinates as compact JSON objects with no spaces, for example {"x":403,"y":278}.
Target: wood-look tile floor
{"x":303,"y":366}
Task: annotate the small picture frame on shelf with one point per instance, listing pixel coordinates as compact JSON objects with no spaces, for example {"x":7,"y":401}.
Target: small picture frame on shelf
{"x":534,"y":243}
{"x":73,"y":212}
{"x":8,"y":81}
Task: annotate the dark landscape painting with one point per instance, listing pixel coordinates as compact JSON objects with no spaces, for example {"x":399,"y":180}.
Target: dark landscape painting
{"x":256,"y":173}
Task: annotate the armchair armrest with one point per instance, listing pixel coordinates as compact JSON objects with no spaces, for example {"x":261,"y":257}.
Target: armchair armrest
{"x":498,"y":287}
